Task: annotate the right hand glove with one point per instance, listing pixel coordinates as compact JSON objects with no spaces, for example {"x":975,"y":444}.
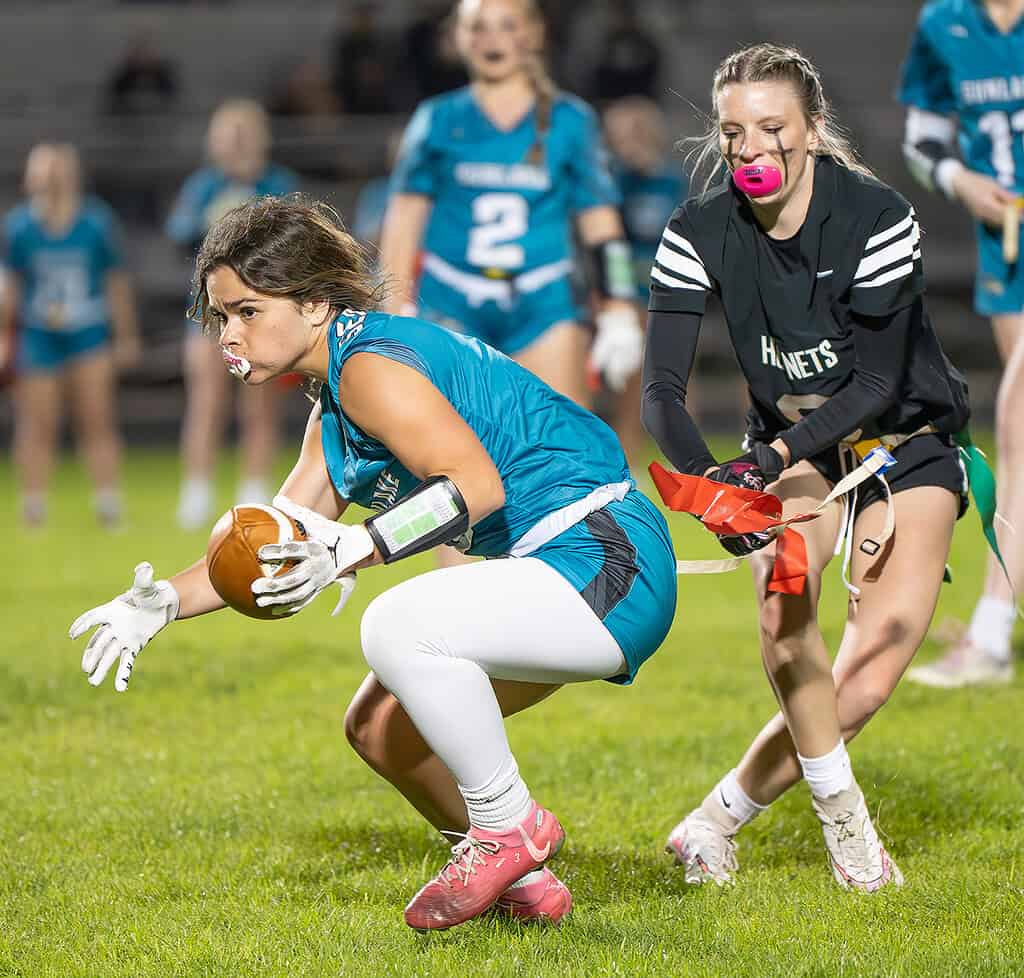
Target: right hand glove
{"x":329,"y":548}
{"x":126,"y":626}
{"x":745,"y":543}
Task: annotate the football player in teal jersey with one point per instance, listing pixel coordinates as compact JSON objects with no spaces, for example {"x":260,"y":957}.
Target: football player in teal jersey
{"x":963,"y":82}
{"x":238,"y":144}
{"x":67,"y":322}
{"x":651,"y":184}
{"x":489,"y":182}
{"x":449,"y":441}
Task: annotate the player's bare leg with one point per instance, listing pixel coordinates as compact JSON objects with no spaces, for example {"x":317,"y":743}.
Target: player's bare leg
{"x":380,"y":731}
{"x":92,"y":396}
{"x":983,"y":654}
{"x":559,"y":357}
{"x":207,"y":397}
{"x":880,"y":638}
{"x":36,"y":423}
{"x":259,"y":414}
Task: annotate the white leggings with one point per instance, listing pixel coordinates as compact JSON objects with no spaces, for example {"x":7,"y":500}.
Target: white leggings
{"x":435,"y":641}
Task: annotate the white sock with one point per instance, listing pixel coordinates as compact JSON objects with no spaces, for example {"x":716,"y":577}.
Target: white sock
{"x":829,"y":774}
{"x":33,"y":508}
{"x":729,"y":798}
{"x":991,"y":627}
{"x":107,"y":503}
{"x":502,"y":802}
{"x":253,"y":491}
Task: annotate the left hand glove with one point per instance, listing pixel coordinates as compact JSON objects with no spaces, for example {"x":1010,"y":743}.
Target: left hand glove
{"x":756,"y":470}
{"x":746,"y":543}
{"x":328,"y":549}
{"x":618,"y":348}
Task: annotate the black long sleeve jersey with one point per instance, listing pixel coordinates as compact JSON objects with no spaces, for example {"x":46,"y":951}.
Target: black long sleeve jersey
{"x":829,"y":327}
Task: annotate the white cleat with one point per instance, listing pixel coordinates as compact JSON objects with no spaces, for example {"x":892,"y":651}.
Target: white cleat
{"x":965,"y":664}
{"x":704,"y":850}
{"x":858,"y":860}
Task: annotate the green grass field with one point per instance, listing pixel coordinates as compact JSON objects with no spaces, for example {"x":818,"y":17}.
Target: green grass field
{"x":212,"y":821}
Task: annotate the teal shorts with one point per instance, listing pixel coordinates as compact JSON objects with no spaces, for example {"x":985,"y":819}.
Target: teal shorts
{"x":620,"y":559}
{"x":999,"y":287}
{"x":508,"y":327}
{"x":48,"y":350}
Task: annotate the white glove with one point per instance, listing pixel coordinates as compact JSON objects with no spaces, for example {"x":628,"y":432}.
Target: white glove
{"x":328,"y":549}
{"x":126,"y":625}
{"x":618,"y":349}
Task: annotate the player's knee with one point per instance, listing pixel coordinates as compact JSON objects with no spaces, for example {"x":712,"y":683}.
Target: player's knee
{"x":784,"y":621}
{"x":360,"y":728}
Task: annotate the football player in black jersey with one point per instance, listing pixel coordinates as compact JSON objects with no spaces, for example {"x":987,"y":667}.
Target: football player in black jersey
{"x":817,"y":266}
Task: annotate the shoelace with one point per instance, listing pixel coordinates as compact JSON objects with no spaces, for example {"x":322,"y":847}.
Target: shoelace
{"x":857,"y":858}
{"x":466,"y":856}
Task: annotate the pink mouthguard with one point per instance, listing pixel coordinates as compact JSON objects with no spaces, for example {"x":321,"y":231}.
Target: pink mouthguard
{"x":239,"y":366}
{"x":757,"y":181}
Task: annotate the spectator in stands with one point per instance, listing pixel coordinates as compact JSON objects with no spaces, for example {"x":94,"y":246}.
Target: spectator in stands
{"x":429,"y":51}
{"x":629,"y":60}
{"x":67,"y":320}
{"x":652,"y":184}
{"x":364,"y":64}
{"x":144,"y":82}
{"x":238,"y":144}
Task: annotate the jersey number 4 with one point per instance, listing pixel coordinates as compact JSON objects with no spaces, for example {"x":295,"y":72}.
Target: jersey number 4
{"x":499,"y":219}
{"x":1000,"y":128}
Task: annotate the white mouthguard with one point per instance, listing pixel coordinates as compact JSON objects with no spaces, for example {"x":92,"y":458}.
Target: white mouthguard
{"x":239,"y":366}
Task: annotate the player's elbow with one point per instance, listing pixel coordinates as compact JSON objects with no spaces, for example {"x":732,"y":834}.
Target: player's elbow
{"x":657,"y":403}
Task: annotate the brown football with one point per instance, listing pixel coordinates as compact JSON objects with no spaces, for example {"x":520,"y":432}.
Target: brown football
{"x":231,"y":559}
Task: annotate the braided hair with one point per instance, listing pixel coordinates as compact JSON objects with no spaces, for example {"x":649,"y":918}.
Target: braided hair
{"x":771,"y":62}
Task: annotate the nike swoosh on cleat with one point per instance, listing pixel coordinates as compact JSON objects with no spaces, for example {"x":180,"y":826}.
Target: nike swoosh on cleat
{"x":537,"y":854}
{"x":721,"y":794}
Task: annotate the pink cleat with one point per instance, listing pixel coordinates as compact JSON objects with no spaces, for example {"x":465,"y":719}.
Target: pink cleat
{"x":545,"y":901}
{"x":482,"y":867}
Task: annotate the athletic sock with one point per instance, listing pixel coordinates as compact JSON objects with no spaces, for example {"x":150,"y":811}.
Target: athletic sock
{"x":107,"y":503}
{"x":253,"y":491}
{"x":729,"y":805}
{"x":829,"y":774}
{"x":991,"y":627}
{"x":33,"y":508}
{"x":502,"y":802}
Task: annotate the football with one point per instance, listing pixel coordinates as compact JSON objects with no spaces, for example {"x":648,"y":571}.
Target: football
{"x":231,"y":559}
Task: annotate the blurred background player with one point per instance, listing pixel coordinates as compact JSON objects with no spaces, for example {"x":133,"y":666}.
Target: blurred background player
{"x":238,"y":145}
{"x":965,"y":75}
{"x":817,"y":265}
{"x":488,"y":182}
{"x":69,"y":322}
{"x":651,"y":184}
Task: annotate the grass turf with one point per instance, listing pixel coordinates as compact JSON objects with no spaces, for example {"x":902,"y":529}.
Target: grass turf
{"x":212,"y":821}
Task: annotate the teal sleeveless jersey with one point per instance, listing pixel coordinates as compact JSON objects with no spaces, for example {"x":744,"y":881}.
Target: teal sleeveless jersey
{"x":549,"y":452}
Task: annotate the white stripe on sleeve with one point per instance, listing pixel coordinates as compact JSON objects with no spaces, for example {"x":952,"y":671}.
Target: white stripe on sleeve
{"x":675,"y":262}
{"x":890,"y":276}
{"x":899,"y":250}
{"x":674,"y":283}
{"x":882,"y":236}
{"x":680,"y":242}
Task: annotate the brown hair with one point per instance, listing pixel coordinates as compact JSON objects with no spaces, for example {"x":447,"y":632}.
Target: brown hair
{"x":289,"y":247}
{"x":770,"y":62}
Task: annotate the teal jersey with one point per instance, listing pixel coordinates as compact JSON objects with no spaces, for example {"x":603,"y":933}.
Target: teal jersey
{"x":549,"y":452}
{"x":648,"y":200}
{"x":63,"y":276}
{"x":493,"y":210}
{"x":961,"y":64}
{"x":209,"y":194}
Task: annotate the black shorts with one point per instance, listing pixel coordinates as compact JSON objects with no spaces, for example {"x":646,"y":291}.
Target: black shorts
{"x":924,"y":460}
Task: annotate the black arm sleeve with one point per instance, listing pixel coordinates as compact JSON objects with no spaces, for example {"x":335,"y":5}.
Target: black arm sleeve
{"x":671,"y":350}
{"x":881,"y":348}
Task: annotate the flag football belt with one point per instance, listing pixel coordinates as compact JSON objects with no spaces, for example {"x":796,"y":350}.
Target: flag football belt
{"x":494,"y":284}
